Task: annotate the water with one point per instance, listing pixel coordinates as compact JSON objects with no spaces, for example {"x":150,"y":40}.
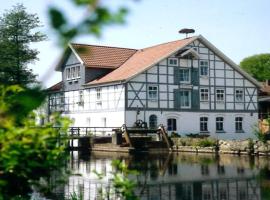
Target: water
{"x":173,"y":176}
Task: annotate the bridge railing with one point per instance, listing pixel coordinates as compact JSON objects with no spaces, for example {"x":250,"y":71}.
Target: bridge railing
{"x":92,"y":131}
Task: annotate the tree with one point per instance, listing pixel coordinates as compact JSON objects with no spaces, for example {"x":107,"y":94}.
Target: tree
{"x":257,"y":66}
{"x":98,"y":16}
{"x":17,"y":32}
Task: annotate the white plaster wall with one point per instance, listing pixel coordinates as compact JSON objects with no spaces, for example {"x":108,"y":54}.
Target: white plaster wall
{"x":112,"y":98}
{"x":189,"y":122}
{"x":113,"y":119}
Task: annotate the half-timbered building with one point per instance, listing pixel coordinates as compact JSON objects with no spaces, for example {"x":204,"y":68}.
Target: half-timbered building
{"x":187,"y":85}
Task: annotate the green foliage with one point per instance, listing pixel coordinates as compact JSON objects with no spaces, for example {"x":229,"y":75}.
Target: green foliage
{"x":123,"y":187}
{"x":196,"y":142}
{"x":75,"y":196}
{"x":257,"y":66}
{"x":17,"y":32}
{"x":98,"y":15}
{"x":27,"y":152}
{"x":175,"y":135}
{"x":206,"y":143}
{"x":260,"y":135}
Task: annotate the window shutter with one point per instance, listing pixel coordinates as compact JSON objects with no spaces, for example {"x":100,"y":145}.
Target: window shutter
{"x":176,"y":99}
{"x":195,"y":100}
{"x":176,"y":75}
{"x":195,"y":76}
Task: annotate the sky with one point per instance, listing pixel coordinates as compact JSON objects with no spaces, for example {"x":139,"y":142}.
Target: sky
{"x":239,"y":28}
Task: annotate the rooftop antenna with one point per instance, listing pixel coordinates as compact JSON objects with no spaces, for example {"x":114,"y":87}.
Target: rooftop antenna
{"x":186,"y":31}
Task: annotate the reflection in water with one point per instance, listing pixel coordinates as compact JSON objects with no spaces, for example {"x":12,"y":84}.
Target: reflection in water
{"x":173,"y":176}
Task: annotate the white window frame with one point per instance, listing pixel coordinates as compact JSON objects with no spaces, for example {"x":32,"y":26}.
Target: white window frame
{"x":237,"y":122}
{"x":78,"y":71}
{"x":218,"y":93}
{"x":98,"y":93}
{"x":172,"y":128}
{"x":81,"y":98}
{"x":189,"y":99}
{"x":204,"y":64}
{"x":237,"y":99}
{"x":220,"y":122}
{"x":184,"y":69}
{"x":73,"y":72}
{"x":203,"y":122}
{"x":204,"y":94}
{"x":153,"y":121}
{"x":152,"y":92}
{"x":174,"y":60}
{"x":68,"y":73}
{"x":104,"y":121}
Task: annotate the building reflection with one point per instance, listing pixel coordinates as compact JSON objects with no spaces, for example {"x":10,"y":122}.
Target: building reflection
{"x":185,"y":177}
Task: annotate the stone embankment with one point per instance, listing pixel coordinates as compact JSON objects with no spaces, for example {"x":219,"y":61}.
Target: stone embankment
{"x":245,"y":147}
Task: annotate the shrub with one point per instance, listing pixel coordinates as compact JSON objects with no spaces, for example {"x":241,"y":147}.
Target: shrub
{"x":206,"y":143}
{"x":175,"y":135}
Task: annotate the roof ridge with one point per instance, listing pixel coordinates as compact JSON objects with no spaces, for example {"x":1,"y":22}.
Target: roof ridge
{"x":94,"y":45}
{"x":168,"y":43}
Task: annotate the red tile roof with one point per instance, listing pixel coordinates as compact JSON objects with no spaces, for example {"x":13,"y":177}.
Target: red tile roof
{"x":102,"y":56}
{"x":142,"y":60}
{"x":266,"y":89}
{"x":56,"y":87}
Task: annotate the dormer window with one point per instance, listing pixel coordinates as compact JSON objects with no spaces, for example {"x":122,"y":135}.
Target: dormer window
{"x":78,"y":71}
{"x":173,"y":62}
{"x":68,"y":74}
{"x":73,"y":72}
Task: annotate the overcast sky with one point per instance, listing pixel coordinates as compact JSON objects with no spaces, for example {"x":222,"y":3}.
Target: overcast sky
{"x":239,"y":28}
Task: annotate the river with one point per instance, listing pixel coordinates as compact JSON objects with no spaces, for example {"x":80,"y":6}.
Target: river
{"x":172,"y":176}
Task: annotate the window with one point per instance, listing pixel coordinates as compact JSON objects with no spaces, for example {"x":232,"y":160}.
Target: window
{"x":204,"y":68}
{"x":81,"y":99}
{"x":203,"y":124}
{"x":68,"y":74}
{"x":184,"y":75}
{"x":207,"y":194}
{"x":173,"y":62}
{"x":171,"y":124}
{"x":78,"y":73}
{"x":220,"y":94}
{"x":204,"y":94}
{"x":153,"y":121}
{"x":239,"y":95}
{"x":204,"y":170}
{"x":98,"y":93}
{"x":219,"y":123}
{"x":185,"y":99}
{"x":73,"y":72}
{"x":104,"y":121}
{"x":152,"y":92}
{"x":223,"y":194}
{"x":221,"y":169}
{"x":239,"y":124}
{"x":88,"y":121}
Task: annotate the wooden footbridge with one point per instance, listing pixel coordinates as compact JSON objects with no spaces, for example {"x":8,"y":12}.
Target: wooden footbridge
{"x":123,"y":139}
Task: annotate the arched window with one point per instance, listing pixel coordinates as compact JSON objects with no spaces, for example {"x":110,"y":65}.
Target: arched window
{"x":171,"y":124}
{"x":203,"y":124}
{"x":153,"y":121}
